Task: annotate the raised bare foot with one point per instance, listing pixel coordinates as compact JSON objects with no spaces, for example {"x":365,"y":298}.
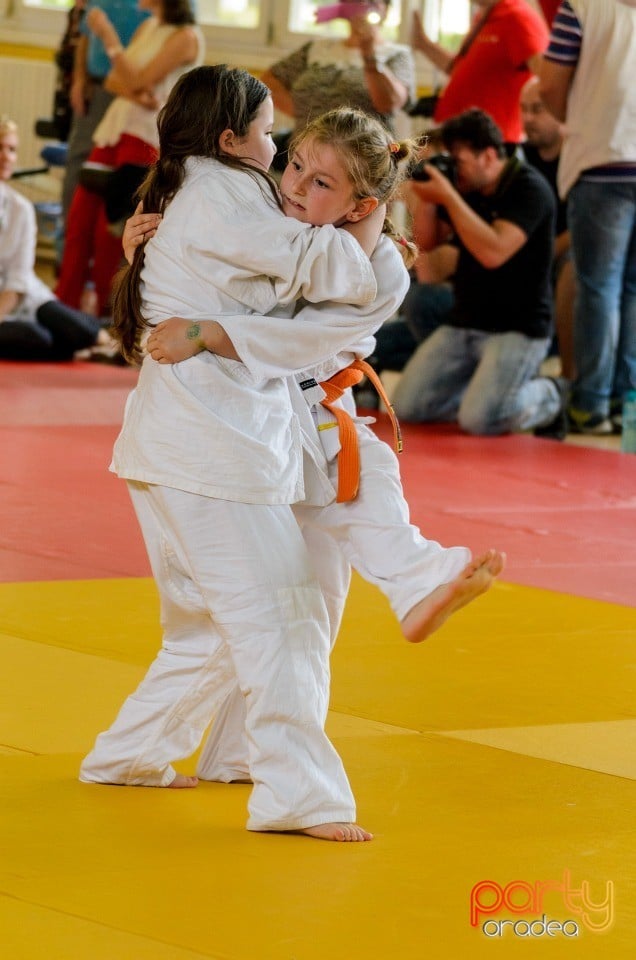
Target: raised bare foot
{"x":431,"y":612}
{"x":181,"y":782}
{"x":342,"y":832}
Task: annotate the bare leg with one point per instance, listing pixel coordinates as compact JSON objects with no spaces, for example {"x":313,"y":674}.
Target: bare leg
{"x":431,"y":612}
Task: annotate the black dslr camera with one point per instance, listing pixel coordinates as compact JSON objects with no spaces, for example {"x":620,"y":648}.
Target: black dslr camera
{"x":444,"y":163}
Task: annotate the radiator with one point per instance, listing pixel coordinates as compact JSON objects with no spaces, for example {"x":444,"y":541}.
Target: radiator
{"x":27,"y":94}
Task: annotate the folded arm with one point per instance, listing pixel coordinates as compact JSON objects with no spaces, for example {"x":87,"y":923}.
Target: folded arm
{"x":125,"y":79}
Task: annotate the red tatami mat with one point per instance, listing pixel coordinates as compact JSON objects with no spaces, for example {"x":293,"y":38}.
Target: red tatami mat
{"x":64,"y":393}
{"x":565,"y":515}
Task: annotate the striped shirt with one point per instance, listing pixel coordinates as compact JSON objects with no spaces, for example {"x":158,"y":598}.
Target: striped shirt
{"x":566,"y":39}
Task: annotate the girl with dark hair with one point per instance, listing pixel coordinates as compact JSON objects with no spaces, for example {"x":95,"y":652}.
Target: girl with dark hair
{"x":162,"y":48}
{"x":214,"y":458}
{"x":342,"y":159}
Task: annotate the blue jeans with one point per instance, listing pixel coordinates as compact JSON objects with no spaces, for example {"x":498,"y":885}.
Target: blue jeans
{"x":482,"y":380}
{"x":602,"y":222}
{"x":426,"y":306}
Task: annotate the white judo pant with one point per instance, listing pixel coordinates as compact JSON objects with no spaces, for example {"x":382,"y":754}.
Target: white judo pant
{"x":372,"y":534}
{"x":241,"y":612}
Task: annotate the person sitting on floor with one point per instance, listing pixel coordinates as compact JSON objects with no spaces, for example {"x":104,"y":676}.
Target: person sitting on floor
{"x":427,"y":304}
{"x":34,"y":325}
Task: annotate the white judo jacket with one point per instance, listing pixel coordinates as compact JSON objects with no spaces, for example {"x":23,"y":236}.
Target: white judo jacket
{"x":208,"y":425}
{"x":301,"y":347}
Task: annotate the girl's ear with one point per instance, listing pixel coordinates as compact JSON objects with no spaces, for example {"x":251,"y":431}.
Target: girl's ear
{"x":362,"y":209}
{"x":228,"y":141}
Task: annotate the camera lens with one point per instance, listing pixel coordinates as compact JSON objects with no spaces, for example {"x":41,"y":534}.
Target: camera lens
{"x":444,"y":163}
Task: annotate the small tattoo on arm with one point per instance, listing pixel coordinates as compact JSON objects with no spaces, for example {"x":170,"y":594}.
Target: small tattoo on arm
{"x":193,"y":332}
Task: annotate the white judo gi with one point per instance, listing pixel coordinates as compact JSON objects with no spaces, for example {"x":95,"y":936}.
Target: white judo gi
{"x":213,"y":460}
{"x":371,"y":533}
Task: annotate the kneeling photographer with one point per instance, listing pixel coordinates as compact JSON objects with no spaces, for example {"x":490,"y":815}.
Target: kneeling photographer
{"x":488,"y":229}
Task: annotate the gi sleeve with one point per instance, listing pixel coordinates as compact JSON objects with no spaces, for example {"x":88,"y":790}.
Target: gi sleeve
{"x":315,"y":263}
{"x":321,"y":338}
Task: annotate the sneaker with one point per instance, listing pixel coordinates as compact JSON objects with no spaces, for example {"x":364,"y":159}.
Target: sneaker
{"x":557,"y":428}
{"x":592,"y":424}
{"x":103,"y":353}
{"x":616,"y":415}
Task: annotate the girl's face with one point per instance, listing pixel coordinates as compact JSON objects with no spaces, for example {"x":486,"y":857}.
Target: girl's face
{"x":316,"y":189}
{"x":8,"y":154}
{"x":257,"y":148}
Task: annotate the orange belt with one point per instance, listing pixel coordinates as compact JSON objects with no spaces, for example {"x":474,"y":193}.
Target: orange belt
{"x":349,"y":454}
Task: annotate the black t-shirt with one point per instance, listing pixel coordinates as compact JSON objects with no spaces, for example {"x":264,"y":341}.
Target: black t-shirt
{"x":517,"y":295}
{"x":549,"y":170}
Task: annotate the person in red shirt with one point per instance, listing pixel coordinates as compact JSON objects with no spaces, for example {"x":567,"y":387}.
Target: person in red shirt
{"x":549,"y":8}
{"x":492,"y":65}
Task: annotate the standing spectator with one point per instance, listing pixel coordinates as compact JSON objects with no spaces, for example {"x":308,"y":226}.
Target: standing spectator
{"x":479,"y":367}
{"x":88,"y":97}
{"x":493,"y":63}
{"x":163,"y":48}
{"x":587,"y":80}
{"x":549,"y":8}
{"x":542,"y":149}
{"x":364,"y":71}
{"x":58,"y":127}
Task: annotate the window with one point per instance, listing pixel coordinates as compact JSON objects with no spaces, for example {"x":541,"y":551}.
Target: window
{"x":454,"y":22}
{"x":241,"y":14}
{"x":47,"y":4}
{"x":301,"y":19}
{"x":252,"y":33}
{"x":448,"y":21}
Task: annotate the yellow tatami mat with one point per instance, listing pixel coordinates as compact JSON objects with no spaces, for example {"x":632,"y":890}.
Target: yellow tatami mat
{"x":608,"y":747}
{"x":501,"y":750}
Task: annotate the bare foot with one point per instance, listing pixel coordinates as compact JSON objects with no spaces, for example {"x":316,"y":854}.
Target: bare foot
{"x":342,"y":832}
{"x":104,"y":339}
{"x":181,"y":782}
{"x":431,"y":612}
